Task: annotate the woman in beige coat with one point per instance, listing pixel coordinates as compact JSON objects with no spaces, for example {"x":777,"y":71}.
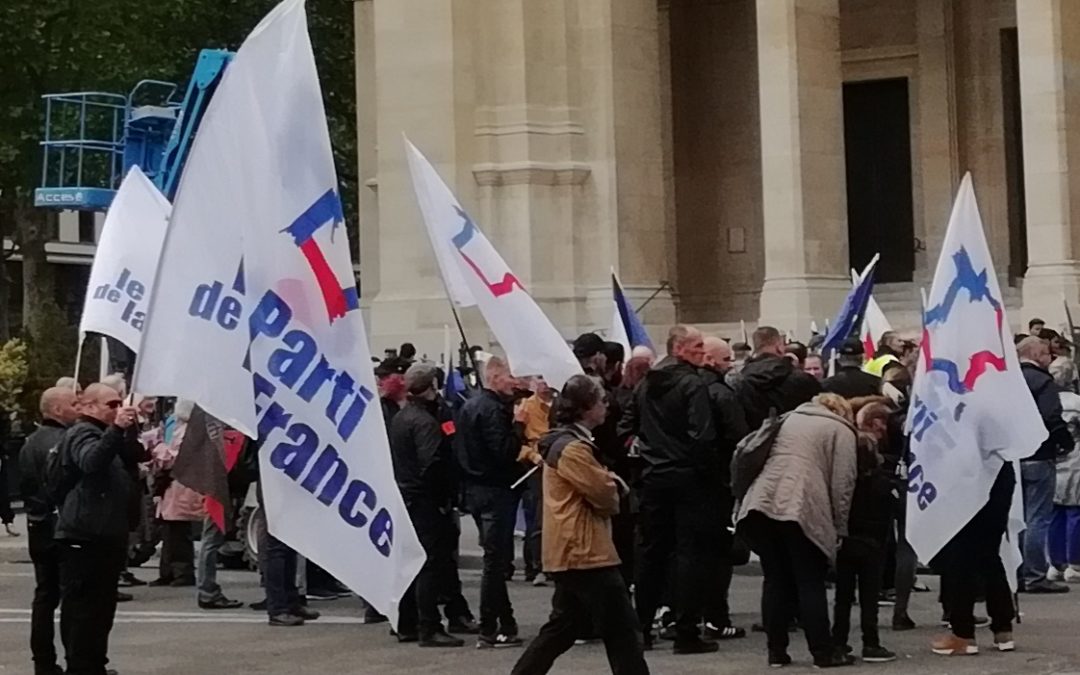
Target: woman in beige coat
{"x":794,"y":516}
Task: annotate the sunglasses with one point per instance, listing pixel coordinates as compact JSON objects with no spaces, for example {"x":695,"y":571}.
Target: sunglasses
{"x":113,"y":405}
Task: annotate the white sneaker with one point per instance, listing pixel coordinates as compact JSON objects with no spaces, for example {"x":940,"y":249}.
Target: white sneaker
{"x":1053,"y":574}
{"x":1072,"y":575}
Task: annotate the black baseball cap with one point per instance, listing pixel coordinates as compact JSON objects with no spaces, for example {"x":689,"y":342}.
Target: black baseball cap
{"x":588,"y":345}
{"x":852,"y":347}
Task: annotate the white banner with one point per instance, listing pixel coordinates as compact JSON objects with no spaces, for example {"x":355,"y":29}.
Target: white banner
{"x":473,"y":269}
{"x":118,"y":291}
{"x":262,"y":169}
{"x":971,"y":410}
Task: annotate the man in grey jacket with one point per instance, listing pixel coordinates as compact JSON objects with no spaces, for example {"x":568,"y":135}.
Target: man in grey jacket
{"x":92,"y":528}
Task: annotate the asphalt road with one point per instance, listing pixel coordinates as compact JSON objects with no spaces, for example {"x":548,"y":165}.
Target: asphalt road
{"x":163,"y":633}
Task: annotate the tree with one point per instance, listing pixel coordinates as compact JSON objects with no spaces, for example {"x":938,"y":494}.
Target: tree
{"x":53,"y":46}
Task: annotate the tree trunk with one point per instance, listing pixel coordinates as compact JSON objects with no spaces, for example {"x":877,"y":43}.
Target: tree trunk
{"x":35,"y":227}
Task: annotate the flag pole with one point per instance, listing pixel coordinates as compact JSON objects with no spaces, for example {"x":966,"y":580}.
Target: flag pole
{"x":78,"y":361}
{"x":658,"y":291}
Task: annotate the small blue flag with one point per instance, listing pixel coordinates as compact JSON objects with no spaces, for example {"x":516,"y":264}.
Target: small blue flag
{"x":849,"y":319}
{"x":635,"y":330}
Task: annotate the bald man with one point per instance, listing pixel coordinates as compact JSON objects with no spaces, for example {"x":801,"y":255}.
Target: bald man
{"x":57,"y":408}
{"x":730,"y":423}
{"x":1038,"y":474}
{"x":92,"y":527}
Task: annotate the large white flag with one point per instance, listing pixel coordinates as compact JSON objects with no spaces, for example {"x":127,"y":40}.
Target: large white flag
{"x":262,"y":169}
{"x":118,"y":292}
{"x":971,"y":410}
{"x":475,"y":273}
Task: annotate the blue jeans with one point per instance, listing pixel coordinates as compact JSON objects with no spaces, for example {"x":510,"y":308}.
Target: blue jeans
{"x":1038,"y":478}
{"x":493,"y":510}
{"x":206,"y":567}
{"x":279,"y":574}
{"x":1065,"y":537}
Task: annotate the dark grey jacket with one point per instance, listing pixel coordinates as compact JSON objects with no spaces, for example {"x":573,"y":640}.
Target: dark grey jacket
{"x":97,"y":507}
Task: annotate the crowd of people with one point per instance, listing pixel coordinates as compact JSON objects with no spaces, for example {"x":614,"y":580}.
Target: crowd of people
{"x":644,"y":483}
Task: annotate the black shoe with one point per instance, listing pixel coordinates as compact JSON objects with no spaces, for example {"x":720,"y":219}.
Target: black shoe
{"x":498,"y":641}
{"x":510,"y":629}
{"x":220,"y":602}
{"x":321,"y":594}
{"x":371,"y":615}
{"x":779,"y":660}
{"x":441,"y":639}
{"x":406,"y":637}
{"x":980,"y":621}
{"x":835,"y":660}
{"x":159,"y":582}
{"x":877,"y":655}
{"x":259,"y":605}
{"x":463,"y":626}
{"x":668,"y":632}
{"x":695,"y":646}
{"x":127,"y":580}
{"x":845,"y":649}
{"x":723,"y":632}
{"x":1046,"y":587}
{"x":124,"y":597}
{"x":287,"y":620}
{"x":304,"y":613}
{"x":45,"y":670}
{"x":903,"y":623}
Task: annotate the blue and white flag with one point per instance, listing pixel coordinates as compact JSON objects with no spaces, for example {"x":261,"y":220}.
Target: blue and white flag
{"x":256,"y":298}
{"x":626,"y":327}
{"x":848,"y":320}
{"x":971,"y":410}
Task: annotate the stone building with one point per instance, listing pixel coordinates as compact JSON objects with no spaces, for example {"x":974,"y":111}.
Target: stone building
{"x":748,"y":152}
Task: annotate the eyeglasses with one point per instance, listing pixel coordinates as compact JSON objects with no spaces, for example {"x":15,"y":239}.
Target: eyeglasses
{"x":113,"y":405}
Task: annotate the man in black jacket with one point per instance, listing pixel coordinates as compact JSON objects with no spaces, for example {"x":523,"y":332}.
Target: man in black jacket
{"x":731,"y":427}
{"x":1038,"y":473}
{"x":58,"y":412}
{"x":487,"y":450}
{"x":678,"y":447}
{"x":92,"y":528}
{"x":420,"y":449}
{"x":850,"y":380}
{"x":771,"y":382}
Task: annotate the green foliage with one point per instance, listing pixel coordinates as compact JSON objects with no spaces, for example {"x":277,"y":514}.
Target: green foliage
{"x":14,"y":368}
{"x":51,"y":343}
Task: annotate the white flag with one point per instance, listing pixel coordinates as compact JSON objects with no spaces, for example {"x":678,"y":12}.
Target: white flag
{"x":971,"y":410}
{"x":475,"y":273}
{"x":262,"y":168}
{"x":118,"y":291}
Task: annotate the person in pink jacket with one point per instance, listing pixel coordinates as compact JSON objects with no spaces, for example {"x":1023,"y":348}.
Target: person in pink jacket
{"x":178,"y":507}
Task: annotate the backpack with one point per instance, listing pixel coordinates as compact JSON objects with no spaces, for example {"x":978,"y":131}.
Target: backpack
{"x":752,"y":452}
{"x":61,"y":476}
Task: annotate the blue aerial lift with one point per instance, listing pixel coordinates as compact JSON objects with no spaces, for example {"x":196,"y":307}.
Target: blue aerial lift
{"x":93,"y":138}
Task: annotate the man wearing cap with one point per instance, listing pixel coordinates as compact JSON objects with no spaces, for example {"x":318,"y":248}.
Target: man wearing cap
{"x":589,"y":350}
{"x":850,"y":380}
{"x":420,"y":449}
{"x":390,"y":376}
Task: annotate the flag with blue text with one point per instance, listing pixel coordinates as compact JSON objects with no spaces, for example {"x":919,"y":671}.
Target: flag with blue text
{"x":275,"y":300}
{"x":971,"y":410}
{"x":475,"y":273}
{"x":118,"y":291}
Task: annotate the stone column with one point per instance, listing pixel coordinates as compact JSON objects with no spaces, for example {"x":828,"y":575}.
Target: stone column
{"x":802,"y":157}
{"x":1049,"y":36}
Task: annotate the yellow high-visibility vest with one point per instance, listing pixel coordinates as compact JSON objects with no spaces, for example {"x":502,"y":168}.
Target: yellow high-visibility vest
{"x":876,"y":366}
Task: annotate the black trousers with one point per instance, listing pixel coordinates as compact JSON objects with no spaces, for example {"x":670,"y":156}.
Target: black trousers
{"x":448,"y":579}
{"x":177,"y":550}
{"x":794,"y":570}
{"x":532,"y":504}
{"x":278,"y":563}
{"x":493,"y":509}
{"x":45,"y":554}
{"x":7,"y":514}
{"x":680,"y":520}
{"x":419,"y":610}
{"x":858,"y":565}
{"x":972,"y":561}
{"x":89,"y":572}
{"x":601,"y":594}
{"x":720,"y":570}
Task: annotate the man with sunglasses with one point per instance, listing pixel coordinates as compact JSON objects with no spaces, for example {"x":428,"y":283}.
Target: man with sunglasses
{"x":92,"y":487}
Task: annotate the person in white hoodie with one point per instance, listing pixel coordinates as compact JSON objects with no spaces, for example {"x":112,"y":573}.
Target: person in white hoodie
{"x":1064,"y":540}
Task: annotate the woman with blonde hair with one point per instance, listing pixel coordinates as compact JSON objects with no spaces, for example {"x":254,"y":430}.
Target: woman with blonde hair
{"x":794,"y":515}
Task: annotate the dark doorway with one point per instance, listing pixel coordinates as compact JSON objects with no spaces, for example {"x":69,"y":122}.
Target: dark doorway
{"x":1014,"y":155}
{"x":877,"y":150}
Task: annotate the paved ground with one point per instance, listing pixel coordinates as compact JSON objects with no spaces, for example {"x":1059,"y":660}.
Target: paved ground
{"x":163,"y":633}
